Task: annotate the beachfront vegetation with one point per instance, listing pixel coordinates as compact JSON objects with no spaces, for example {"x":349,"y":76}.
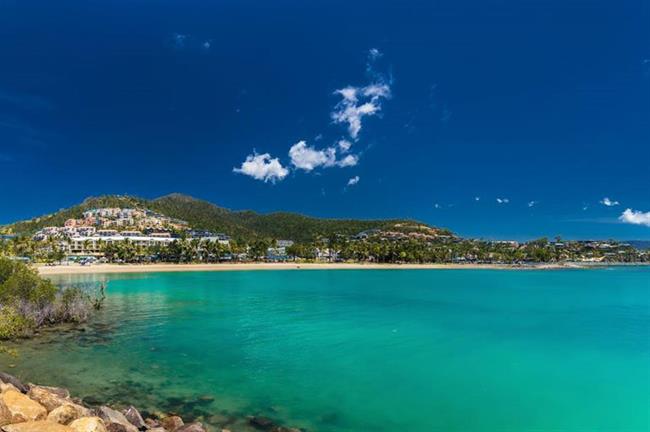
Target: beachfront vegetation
{"x":28,"y":301}
{"x":377,"y":247}
{"x":254,"y":237}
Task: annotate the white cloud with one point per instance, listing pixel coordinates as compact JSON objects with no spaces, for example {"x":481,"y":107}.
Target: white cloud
{"x":206,"y":45}
{"x":348,"y":93}
{"x":348,"y":161}
{"x":353,"y":181}
{"x":609,"y":203}
{"x":532,"y":203}
{"x":307,"y":158}
{"x":437,"y":206}
{"x":357,"y":103}
{"x":380,"y":90}
{"x":344,"y":145}
{"x":262,"y":167}
{"x":503,"y":200}
{"x":477,"y":198}
{"x":374,"y":54}
{"x":634,"y":217}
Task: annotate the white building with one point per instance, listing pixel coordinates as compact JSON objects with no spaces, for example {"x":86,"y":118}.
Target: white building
{"x":94,"y":244}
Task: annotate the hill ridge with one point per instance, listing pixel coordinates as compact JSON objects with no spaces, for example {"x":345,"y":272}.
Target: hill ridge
{"x":205,"y":215}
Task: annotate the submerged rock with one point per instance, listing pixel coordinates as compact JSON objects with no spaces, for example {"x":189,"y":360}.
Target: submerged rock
{"x":88,"y":424}
{"x":262,"y":423}
{"x":37,"y":426}
{"x":10,"y":379}
{"x":22,"y":408}
{"x":92,"y":400}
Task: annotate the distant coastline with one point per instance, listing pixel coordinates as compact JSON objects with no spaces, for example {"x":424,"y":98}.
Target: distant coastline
{"x":153,"y":268}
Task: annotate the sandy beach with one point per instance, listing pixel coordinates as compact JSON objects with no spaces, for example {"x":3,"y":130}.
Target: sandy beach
{"x":148,"y":268}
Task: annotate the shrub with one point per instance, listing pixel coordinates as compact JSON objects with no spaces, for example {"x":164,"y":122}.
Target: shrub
{"x":23,"y":283}
{"x":13,"y":324}
{"x":28,"y":301}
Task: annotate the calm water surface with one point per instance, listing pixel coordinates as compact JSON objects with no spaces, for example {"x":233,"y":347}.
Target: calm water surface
{"x":380,"y":350}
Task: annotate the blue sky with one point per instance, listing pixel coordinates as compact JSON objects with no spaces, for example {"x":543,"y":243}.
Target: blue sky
{"x":365,"y":109}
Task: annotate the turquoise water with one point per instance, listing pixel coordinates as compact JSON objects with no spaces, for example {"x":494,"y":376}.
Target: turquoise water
{"x":380,"y":350}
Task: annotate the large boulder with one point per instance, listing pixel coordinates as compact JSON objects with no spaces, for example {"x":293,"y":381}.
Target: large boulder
{"x":5,"y":415}
{"x":4,"y":387}
{"x":66,"y":414}
{"x":192,"y":427}
{"x":37,"y":426}
{"x":134,"y":417}
{"x":49,"y":397}
{"x":110,"y":416}
{"x":171,"y":423}
{"x":59,"y":391}
{"x":88,"y":424}
{"x":22,"y":408}
{"x":10,"y":379}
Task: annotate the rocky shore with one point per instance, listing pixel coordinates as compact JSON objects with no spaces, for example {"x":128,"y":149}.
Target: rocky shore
{"x":36,"y":408}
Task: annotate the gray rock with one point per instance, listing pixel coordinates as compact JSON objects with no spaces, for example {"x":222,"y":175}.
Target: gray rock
{"x":10,"y":379}
{"x":134,"y":417}
{"x":111,"y":416}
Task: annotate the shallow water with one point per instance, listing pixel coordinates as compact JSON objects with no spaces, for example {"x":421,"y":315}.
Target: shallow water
{"x":360,"y":350}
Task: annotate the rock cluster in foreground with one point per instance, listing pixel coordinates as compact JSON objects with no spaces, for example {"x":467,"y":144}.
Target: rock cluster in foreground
{"x":34,"y":408}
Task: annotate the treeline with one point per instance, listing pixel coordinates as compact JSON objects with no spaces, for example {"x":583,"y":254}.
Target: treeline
{"x":377,"y":250}
{"x":28,"y":301}
{"x":380,"y":250}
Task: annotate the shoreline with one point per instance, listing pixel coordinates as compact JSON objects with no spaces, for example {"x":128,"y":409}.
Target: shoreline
{"x":28,"y":407}
{"x":45,"y":270}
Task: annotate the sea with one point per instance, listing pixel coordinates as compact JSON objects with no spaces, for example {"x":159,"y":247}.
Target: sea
{"x":362,"y":350}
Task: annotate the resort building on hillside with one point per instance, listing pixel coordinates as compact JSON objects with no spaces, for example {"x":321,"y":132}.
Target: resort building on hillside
{"x":95,"y":244}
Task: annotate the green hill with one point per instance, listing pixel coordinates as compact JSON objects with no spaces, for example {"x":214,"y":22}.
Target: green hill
{"x":242,"y":225}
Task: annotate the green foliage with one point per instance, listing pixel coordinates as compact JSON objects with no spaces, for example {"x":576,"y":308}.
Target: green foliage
{"x":28,"y":301}
{"x":13,"y":324}
{"x":21,"y":283}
